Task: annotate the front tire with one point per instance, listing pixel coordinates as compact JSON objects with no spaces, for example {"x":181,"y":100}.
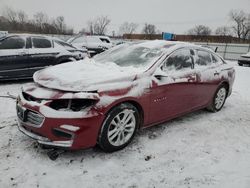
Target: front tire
{"x":119,"y":127}
{"x":218,"y":99}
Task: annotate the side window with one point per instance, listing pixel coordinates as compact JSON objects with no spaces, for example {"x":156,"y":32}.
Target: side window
{"x":79,"y":40}
{"x":104,"y":40}
{"x":41,"y":42}
{"x":179,"y":60}
{"x":216,"y":59}
{"x":12,"y":43}
{"x":204,"y":58}
{"x":93,"y":39}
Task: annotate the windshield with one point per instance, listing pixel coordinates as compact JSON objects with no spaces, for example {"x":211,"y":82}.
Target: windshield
{"x":133,"y":54}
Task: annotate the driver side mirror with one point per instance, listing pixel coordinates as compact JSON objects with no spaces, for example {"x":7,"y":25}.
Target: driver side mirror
{"x":159,"y":74}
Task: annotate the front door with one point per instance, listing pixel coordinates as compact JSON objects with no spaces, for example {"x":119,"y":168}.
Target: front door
{"x":175,"y":93}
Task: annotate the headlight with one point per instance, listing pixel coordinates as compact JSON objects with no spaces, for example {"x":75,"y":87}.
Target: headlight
{"x":71,"y":104}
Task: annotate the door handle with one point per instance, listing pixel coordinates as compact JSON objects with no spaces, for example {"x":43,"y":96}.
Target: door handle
{"x":216,"y":73}
{"x":192,"y":78}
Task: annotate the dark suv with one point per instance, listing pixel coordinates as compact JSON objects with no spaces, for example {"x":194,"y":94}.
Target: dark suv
{"x":22,"y":55}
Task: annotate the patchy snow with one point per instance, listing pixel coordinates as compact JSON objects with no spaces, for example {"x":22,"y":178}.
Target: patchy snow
{"x":88,"y":75}
{"x":51,"y":113}
{"x":46,"y":93}
{"x":135,"y":89}
{"x":111,"y":69}
{"x":200,"y":149}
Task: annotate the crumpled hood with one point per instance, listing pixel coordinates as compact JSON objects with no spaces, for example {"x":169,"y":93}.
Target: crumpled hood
{"x":85,"y":75}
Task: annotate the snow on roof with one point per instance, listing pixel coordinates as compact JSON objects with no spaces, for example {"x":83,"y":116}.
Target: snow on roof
{"x":24,"y":35}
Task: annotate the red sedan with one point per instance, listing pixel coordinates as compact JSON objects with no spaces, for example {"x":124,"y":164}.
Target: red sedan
{"x":104,"y":100}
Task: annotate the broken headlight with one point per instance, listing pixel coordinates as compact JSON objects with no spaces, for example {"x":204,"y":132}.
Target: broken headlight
{"x":71,"y":104}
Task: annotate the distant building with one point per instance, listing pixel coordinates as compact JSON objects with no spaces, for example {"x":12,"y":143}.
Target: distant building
{"x":187,"y":38}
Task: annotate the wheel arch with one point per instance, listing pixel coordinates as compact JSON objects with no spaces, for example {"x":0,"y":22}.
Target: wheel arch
{"x":226,"y":83}
{"x":135,"y":103}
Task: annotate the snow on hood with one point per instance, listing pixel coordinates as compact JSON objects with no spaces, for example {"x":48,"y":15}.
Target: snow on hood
{"x":45,"y":93}
{"x":86,"y":75}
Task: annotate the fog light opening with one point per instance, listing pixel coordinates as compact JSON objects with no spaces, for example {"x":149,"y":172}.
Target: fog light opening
{"x":70,"y":127}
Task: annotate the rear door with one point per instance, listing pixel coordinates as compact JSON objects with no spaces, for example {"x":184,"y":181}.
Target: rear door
{"x":175,"y":93}
{"x":207,"y":66}
{"x":14,"y":60}
{"x":42,"y":53}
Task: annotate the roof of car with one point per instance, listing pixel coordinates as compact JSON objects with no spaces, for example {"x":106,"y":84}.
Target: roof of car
{"x":164,"y":43}
{"x":28,"y":35}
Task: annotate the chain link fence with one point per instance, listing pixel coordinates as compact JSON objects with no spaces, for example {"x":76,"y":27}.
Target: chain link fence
{"x":229,"y":51}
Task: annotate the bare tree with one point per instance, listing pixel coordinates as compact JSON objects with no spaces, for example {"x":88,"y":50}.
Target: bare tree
{"x":100,"y":26}
{"x":90,"y":27}
{"x":128,"y":28}
{"x":60,"y":24}
{"x":83,"y":31}
{"x":223,"y":31}
{"x":200,"y":30}
{"x":14,"y":21}
{"x":41,"y":19}
{"x":149,"y":29}
{"x":22,"y":17}
{"x":241,"y":21}
{"x":10,"y":15}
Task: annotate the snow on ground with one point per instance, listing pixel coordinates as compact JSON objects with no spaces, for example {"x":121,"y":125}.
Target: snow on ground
{"x":201,"y":149}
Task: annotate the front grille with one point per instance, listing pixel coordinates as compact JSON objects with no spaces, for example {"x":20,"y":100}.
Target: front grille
{"x":61,"y":133}
{"x":34,"y":118}
{"x":20,"y":112}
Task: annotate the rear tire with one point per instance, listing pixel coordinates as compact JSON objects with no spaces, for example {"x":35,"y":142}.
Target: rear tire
{"x":119,"y":127}
{"x":218,"y":99}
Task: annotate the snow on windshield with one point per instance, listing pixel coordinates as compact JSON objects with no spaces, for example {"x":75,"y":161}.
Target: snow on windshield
{"x":134,"y":54}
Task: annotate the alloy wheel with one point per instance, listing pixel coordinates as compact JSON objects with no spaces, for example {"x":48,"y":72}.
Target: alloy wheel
{"x":122,"y":127}
{"x":220,"y":98}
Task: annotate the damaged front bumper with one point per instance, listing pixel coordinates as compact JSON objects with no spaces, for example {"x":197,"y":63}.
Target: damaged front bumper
{"x":43,"y":140}
{"x":59,"y":129}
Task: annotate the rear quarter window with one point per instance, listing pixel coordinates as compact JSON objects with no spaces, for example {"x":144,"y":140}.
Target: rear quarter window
{"x":203,"y":58}
{"x":79,"y":40}
{"x":41,"y":43}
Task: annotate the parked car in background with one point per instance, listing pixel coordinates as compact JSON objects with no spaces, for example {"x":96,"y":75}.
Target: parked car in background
{"x":244,"y":59}
{"x":3,"y":33}
{"x":131,"y":86}
{"x":94,"y":43}
{"x":22,"y":55}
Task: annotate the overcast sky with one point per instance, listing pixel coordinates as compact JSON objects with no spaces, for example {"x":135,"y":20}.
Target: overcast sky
{"x":168,"y":15}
